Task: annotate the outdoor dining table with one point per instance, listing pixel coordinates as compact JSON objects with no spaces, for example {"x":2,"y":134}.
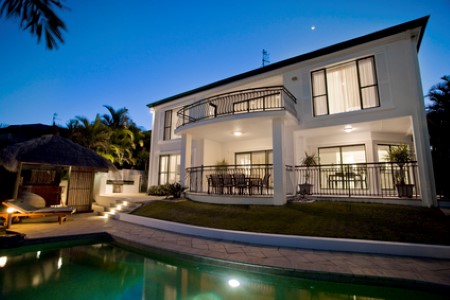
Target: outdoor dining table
{"x":239,"y":184}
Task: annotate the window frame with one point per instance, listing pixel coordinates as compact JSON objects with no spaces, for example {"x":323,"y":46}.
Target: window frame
{"x":167,"y":125}
{"x":168,"y":168}
{"x":357,"y":63}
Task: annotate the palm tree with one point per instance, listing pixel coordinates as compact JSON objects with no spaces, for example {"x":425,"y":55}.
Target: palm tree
{"x":122,"y":146}
{"x":38,"y":17}
{"x":438,"y":116}
{"x":117,"y":118}
{"x":93,"y":135}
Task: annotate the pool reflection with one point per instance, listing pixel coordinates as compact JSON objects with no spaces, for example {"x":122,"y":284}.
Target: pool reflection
{"x":103,"y":271}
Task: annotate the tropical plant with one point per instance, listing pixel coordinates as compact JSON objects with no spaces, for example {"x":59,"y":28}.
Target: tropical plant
{"x":93,"y":135}
{"x":308,"y":161}
{"x":175,"y":190}
{"x":117,"y":118}
{"x":121,"y":147}
{"x":37,"y":16}
{"x":399,"y":155}
{"x":115,"y":136}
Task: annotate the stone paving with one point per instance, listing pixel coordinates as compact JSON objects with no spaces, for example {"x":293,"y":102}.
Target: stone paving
{"x":383,"y":268}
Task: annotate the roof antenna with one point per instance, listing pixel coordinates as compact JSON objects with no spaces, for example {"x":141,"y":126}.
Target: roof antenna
{"x":55,"y":128}
{"x":265,"y":58}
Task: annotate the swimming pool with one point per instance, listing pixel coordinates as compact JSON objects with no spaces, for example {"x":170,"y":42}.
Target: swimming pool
{"x":108,"y":271}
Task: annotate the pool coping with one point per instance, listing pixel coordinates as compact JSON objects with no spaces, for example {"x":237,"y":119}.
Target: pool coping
{"x":169,"y":255}
{"x":291,"y":241}
{"x":336,"y":277}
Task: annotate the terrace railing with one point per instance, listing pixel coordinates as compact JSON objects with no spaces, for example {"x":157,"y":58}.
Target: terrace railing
{"x":357,"y":180}
{"x":238,"y":102}
{"x":246,"y":180}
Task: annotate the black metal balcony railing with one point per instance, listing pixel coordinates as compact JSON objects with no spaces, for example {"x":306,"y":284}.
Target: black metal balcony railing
{"x":253,"y":179}
{"x":346,"y":180}
{"x":356,"y":180}
{"x":245,"y":101}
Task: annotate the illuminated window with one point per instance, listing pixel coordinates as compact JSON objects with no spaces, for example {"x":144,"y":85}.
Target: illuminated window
{"x":345,"y":87}
{"x":169,"y":169}
{"x":170,"y":123}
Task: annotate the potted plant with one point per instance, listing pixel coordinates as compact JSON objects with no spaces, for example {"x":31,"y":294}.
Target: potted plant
{"x":400,"y":156}
{"x":308,"y":161}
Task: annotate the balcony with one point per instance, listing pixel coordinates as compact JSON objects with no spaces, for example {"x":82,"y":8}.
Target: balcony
{"x":238,"y":102}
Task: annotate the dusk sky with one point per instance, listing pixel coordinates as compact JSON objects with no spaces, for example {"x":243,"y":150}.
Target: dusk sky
{"x":131,"y":53}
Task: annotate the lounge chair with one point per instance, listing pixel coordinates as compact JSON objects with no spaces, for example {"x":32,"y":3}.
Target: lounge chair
{"x":24,"y":209}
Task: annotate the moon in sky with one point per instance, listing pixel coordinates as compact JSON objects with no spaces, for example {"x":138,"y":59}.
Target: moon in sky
{"x":313,"y":28}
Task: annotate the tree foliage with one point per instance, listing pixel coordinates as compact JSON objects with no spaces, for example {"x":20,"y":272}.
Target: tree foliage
{"x":114,"y":136}
{"x":438,"y":116}
{"x":38,"y":17}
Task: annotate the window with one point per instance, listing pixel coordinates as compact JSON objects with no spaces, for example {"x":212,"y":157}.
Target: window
{"x":345,"y":87}
{"x":343,"y":168}
{"x":170,"y":123}
{"x":262,"y":158}
{"x":169,"y":169}
{"x":342,"y":155}
{"x":255,"y":157}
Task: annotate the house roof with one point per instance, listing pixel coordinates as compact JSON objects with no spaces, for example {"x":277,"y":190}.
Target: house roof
{"x":52,"y":150}
{"x":417,"y":23}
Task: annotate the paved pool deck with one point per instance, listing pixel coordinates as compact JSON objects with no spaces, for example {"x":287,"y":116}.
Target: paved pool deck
{"x":398,"y":270}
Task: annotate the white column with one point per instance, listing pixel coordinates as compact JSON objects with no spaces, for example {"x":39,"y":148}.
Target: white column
{"x":424,"y":162}
{"x":185,"y":157}
{"x":422,"y":140}
{"x":279,"y":165}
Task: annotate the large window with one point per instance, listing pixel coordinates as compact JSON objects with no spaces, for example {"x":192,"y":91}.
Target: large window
{"x":345,"y":87}
{"x":343,"y":167}
{"x":170,"y":123}
{"x":255,"y":157}
{"x":259,"y":161}
{"x":169,"y":169}
{"x":342,"y":155}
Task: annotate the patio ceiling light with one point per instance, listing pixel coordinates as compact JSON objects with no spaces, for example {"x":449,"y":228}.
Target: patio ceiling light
{"x":237,"y":133}
{"x":348,"y":128}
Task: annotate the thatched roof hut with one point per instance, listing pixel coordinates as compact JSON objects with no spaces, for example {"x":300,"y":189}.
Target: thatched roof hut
{"x":41,"y":162}
{"x":52,"y":150}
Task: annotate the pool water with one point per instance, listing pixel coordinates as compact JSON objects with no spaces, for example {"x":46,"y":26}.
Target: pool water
{"x":106,"y":271}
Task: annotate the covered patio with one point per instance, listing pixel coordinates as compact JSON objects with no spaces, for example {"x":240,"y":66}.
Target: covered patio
{"x":251,"y":166}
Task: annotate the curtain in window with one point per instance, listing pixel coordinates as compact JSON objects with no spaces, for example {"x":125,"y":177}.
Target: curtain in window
{"x":368,"y":82}
{"x":169,"y":168}
{"x":343,"y":89}
{"x":319,"y":93}
{"x":167,"y":135}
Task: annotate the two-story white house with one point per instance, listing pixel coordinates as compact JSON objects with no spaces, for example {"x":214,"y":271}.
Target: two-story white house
{"x":241,"y":140}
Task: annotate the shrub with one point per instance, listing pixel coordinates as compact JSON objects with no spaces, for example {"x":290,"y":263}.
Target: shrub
{"x":175,"y":190}
{"x":159,"y":190}
{"x":169,"y":189}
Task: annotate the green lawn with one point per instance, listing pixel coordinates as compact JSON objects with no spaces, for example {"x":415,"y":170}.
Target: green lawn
{"x":325,"y":219}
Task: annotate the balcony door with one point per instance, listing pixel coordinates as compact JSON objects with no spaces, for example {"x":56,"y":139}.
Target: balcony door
{"x":255,"y":163}
{"x":341,"y":165}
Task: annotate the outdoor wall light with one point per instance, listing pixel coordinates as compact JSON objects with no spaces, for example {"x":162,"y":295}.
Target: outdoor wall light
{"x":348,"y":128}
{"x":237,"y":133}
